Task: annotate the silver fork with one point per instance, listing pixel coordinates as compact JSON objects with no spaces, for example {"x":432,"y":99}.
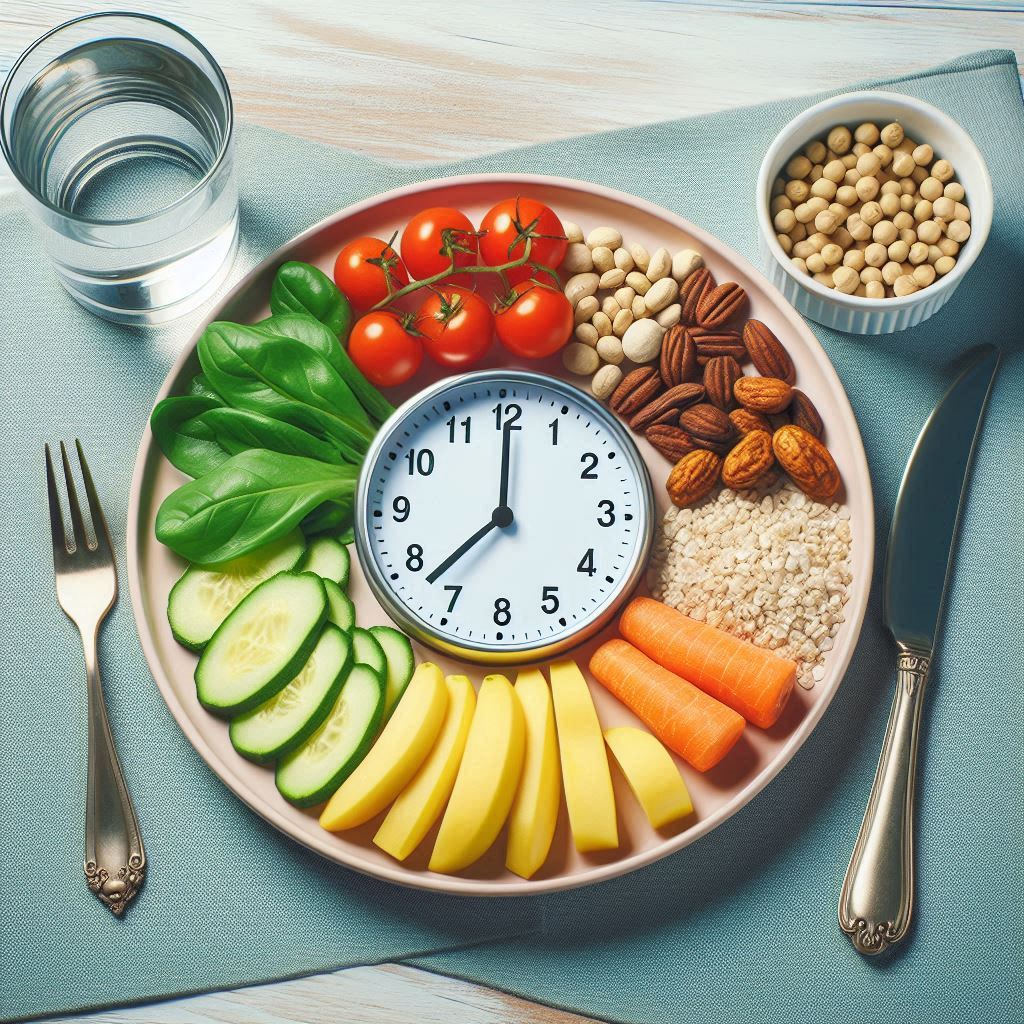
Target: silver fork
{"x":115,"y":861}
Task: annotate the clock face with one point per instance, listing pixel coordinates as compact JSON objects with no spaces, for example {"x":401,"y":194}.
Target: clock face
{"x":502,"y":515}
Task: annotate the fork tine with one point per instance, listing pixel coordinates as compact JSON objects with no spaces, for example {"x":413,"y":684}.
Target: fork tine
{"x":60,"y":541}
{"x":99,"y":520}
{"x":79,"y":534}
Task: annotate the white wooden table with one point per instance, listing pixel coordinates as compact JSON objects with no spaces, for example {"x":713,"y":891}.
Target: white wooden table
{"x":460,"y":79}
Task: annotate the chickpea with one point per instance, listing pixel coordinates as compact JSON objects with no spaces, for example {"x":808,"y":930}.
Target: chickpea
{"x":803,"y":213}
{"x":934,"y":254}
{"x":786,"y":242}
{"x":919,"y":174}
{"x":840,"y":139}
{"x":891,"y":188}
{"x":849,"y":161}
{"x":903,"y":220}
{"x":954,"y":190}
{"x":797,"y":191}
{"x":842,"y":237}
{"x":785,"y":220}
{"x":958,"y":230}
{"x":845,"y":194}
{"x":799,"y":232}
{"x":800,"y":264}
{"x":852,"y":176}
{"x":867,"y":189}
{"x":874,"y":290}
{"x":832,"y":254}
{"x":929,"y":231}
{"x":835,"y":170}
{"x":918,"y":253}
{"x":898,"y":251}
{"x":904,"y":285}
{"x":826,"y":222}
{"x":930,"y":189}
{"x":780,"y":203}
{"x":871,"y":213}
{"x":855,"y":259}
{"x":876,"y":255}
{"x":943,"y":170}
{"x":858,"y":227}
{"x":885,"y":232}
{"x":825,"y":278}
{"x":960,"y":212}
{"x":884,"y":154}
{"x":908,"y":186}
{"x":819,"y":240}
{"x":845,"y":280}
{"x":943,"y":208}
{"x":866,"y":133}
{"x":944,"y":264}
{"x":803,"y":249}
{"x":948,"y":246}
{"x":869,"y":274}
{"x":907,"y":203}
{"x":890,"y":204}
{"x":816,"y":172}
{"x":924,"y":275}
{"x":858,"y":149}
{"x":908,"y":235}
{"x":817,"y":204}
{"x":923,"y":211}
{"x":825,"y":188}
{"x":902,"y":164}
{"x":868,"y":164}
{"x":890,"y":272}
{"x":815,"y":263}
{"x":815,"y":151}
{"x":892,"y":135}
{"x":799,"y":167}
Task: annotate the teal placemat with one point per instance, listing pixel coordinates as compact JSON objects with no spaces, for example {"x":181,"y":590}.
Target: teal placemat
{"x":740,"y":926}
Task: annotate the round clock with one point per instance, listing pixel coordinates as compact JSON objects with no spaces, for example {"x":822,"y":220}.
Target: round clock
{"x":502,"y":516}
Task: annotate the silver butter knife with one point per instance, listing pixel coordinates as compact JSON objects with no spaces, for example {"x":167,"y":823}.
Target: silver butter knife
{"x":878,"y":893}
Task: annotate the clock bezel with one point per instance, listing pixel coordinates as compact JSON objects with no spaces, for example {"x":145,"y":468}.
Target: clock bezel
{"x":517,"y":653}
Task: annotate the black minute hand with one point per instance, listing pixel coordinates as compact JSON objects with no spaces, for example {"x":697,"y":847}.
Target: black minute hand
{"x":506,"y":443}
{"x":462,"y":549}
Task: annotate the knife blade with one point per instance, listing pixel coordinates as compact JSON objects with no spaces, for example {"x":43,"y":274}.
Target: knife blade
{"x":920,"y":552}
{"x":877,"y":897}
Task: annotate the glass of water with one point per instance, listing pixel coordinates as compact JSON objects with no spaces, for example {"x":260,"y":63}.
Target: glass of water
{"x":119,"y":129}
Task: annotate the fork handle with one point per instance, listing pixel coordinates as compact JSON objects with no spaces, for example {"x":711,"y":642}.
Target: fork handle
{"x":877,"y":897}
{"x":115,"y":860}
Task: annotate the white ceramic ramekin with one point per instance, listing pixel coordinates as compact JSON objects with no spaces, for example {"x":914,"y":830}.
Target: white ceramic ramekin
{"x":923,"y":123}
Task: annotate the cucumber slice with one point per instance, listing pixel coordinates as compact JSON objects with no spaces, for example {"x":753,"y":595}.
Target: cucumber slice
{"x":201,"y":600}
{"x":328,"y":558}
{"x":400,"y":663}
{"x":368,"y":651}
{"x":260,"y":647}
{"x":285,"y":722}
{"x":309,"y":775}
{"x":340,"y":609}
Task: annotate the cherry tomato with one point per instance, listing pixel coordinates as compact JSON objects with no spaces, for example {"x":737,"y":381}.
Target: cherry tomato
{"x":364,"y":268}
{"x":383,"y":348}
{"x":457,"y":326}
{"x":507,"y":227}
{"x":433,"y":238}
{"x":534,"y":320}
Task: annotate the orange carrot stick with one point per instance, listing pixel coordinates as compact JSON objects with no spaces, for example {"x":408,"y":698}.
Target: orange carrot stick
{"x":697,"y":727}
{"x":752,"y":681}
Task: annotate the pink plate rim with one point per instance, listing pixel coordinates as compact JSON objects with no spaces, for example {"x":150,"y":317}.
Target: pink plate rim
{"x":327,"y":845}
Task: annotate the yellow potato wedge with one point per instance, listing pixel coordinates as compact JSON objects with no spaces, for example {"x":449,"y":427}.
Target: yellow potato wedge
{"x":488,"y":776}
{"x":651,"y":774}
{"x":586,"y":776}
{"x":392,"y":761}
{"x":420,"y":804}
{"x":531,"y":823}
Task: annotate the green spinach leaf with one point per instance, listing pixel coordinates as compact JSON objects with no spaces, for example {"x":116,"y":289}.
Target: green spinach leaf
{"x":289,"y":382}
{"x":238,"y":430}
{"x":200,"y":387}
{"x":314,"y":334}
{"x":328,"y":518}
{"x":303,"y":288}
{"x":250,"y":500}
{"x":187,"y":439}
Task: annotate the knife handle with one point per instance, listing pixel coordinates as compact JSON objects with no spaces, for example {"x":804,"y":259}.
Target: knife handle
{"x":878,"y":891}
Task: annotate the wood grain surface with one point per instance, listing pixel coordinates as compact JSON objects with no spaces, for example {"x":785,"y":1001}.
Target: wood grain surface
{"x":429,"y":81}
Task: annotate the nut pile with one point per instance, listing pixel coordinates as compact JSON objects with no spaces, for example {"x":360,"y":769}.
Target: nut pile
{"x":699,"y":409}
{"x":624,"y":299}
{"x":870,"y":212}
{"x":773,"y":569}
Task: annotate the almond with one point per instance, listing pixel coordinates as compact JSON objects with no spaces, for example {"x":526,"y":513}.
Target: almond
{"x":767,"y":353}
{"x":763,"y":394}
{"x":803,"y":413}
{"x":721,"y":304}
{"x":692,"y":290}
{"x":708,"y":423}
{"x":693,"y":477}
{"x":749,"y":461}
{"x":635,"y":390}
{"x":720,"y":375}
{"x":678,"y":357}
{"x":717,"y":341}
{"x":679,"y":397}
{"x":671,"y":441}
{"x":745,"y":421}
{"x":808,"y":462}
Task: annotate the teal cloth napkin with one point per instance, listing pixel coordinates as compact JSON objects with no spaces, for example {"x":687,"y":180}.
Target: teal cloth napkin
{"x":740,"y":926}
